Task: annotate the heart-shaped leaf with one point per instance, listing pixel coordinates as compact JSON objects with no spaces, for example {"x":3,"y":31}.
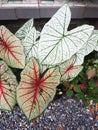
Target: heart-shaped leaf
{"x":68,"y":70}
{"x":35,"y":93}
{"x":11,"y":50}
{"x":56,"y":44}
{"x":25,"y":29}
{"x":8,"y":84}
{"x":30,"y":43}
{"x":89,"y":46}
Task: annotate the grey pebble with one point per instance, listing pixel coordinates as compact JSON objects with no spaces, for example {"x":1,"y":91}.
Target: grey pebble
{"x":61,"y":114}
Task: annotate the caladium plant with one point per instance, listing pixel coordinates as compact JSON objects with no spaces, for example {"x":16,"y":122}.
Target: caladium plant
{"x":11,"y":50}
{"x":25,"y":29}
{"x":56,"y":44}
{"x":47,"y":58}
{"x":29,"y":38}
{"x":89,"y":46}
{"x":30,"y":43}
{"x":68,"y":70}
{"x":96,"y":47}
{"x":8,"y":84}
{"x":34,"y":91}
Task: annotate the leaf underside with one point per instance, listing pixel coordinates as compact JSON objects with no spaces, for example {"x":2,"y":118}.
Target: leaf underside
{"x":68,"y":70}
{"x":8,"y":84}
{"x":56,"y":44}
{"x":11,"y":50}
{"x":35,"y":93}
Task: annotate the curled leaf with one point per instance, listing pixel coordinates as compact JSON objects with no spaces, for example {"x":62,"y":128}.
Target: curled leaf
{"x":8,"y":84}
{"x":35,"y":93}
{"x":11,"y":50}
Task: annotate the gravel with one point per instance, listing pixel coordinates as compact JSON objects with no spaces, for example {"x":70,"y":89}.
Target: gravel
{"x":61,"y":114}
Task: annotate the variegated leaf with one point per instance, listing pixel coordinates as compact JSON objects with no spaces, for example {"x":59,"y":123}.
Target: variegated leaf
{"x":11,"y":50}
{"x":35,"y":93}
{"x":89,"y":46}
{"x":96,"y":47}
{"x":68,"y":70}
{"x":25,"y":29}
{"x":8,"y":84}
{"x":30,"y":43}
{"x":56,"y":44}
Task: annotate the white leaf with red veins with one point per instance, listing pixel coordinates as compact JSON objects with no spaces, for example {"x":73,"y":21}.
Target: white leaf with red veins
{"x":68,"y":70}
{"x":34,"y":93}
{"x":11,"y":49}
{"x":8,"y":84}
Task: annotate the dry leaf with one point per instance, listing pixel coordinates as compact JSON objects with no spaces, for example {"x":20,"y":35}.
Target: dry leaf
{"x":91,"y":110}
{"x":91,"y":73}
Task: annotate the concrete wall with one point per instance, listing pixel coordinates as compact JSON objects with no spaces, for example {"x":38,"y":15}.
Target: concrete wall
{"x":41,"y":9}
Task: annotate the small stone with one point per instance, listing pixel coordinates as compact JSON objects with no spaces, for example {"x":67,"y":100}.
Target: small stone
{"x":96,"y":124}
{"x":20,"y":124}
{"x":49,"y":117}
{"x":91,"y":118}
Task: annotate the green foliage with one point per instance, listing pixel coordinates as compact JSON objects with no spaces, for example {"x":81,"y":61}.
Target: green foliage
{"x":44,"y":60}
{"x":85,"y":85}
{"x":69,"y":93}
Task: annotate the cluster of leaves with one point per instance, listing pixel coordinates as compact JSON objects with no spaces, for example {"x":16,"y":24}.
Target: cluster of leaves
{"x":85,"y":85}
{"x":45,"y":59}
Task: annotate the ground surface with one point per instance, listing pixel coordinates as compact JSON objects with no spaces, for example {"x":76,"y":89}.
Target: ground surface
{"x":62,"y":114}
